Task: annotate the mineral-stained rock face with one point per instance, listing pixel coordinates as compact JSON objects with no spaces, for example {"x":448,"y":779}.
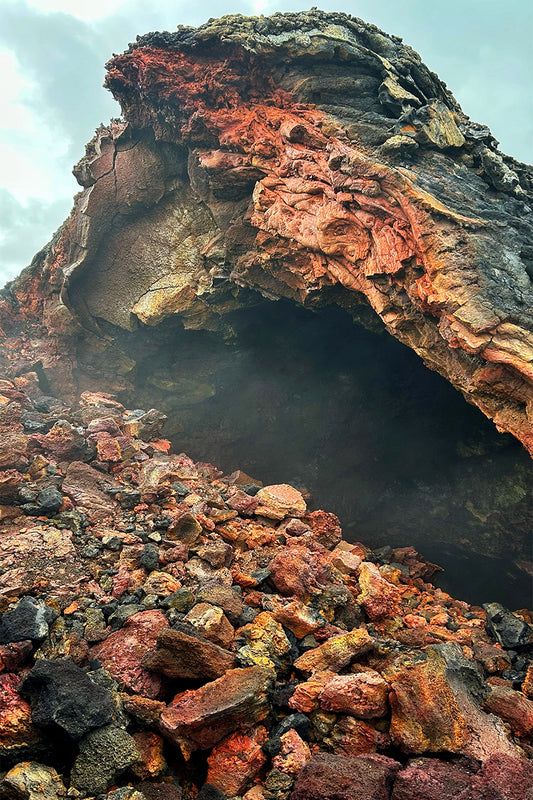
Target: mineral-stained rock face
{"x":307,"y":156}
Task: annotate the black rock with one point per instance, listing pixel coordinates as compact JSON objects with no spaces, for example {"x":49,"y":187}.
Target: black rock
{"x":298,"y":722}
{"x":150,"y":557}
{"x":62,"y":694}
{"x":119,"y":617}
{"x":511,"y":632}
{"x":50,"y":499}
{"x":28,"y":620}
{"x":210,"y":792}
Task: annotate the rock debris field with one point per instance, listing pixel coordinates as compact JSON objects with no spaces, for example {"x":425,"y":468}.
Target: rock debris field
{"x":171,"y":632}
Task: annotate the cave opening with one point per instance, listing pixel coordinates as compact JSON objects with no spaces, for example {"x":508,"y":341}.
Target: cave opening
{"x":355,"y":419}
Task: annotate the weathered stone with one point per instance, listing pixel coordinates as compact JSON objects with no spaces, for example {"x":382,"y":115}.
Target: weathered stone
{"x":435,"y":700}
{"x":104,"y":754}
{"x":342,"y":778}
{"x":336,"y":653}
{"x":353,"y":737}
{"x":121,"y":653}
{"x":211,"y":623}
{"x":378,"y":597}
{"x":200,"y":718}
{"x":151,"y":761}
{"x":179,"y":655}
{"x":266,"y":643}
{"x":512,"y":707}
{"x":16,"y":728}
{"x":280,"y":501}
{"x":236,"y":761}
{"x":28,"y":620}
{"x":431,"y":779}
{"x":501,"y":776}
{"x":294,"y":754}
{"x":87,"y":488}
{"x":300,"y":571}
{"x":61,"y":694}
{"x":507,"y":628}
{"x":362,"y":695}
{"x":31,"y":781}
{"x":223,"y":596}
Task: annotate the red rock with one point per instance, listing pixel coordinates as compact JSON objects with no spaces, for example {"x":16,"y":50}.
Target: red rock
{"x":353,"y":737}
{"x":299,"y":571}
{"x":121,"y":653}
{"x":179,"y":655}
{"x":13,"y":655}
{"x":298,"y":617}
{"x":431,"y":779}
{"x":501,"y":777}
{"x":243,"y":503}
{"x":378,"y":597}
{"x":236,"y":761}
{"x":362,"y":695}
{"x":16,"y":728}
{"x":513,"y":707}
{"x":62,"y":442}
{"x":345,"y":778}
{"x":198,"y":719}
{"x":325,"y":526}
{"x":87,"y":486}
{"x":336,"y":653}
{"x":294,"y":755}
{"x":305,"y":697}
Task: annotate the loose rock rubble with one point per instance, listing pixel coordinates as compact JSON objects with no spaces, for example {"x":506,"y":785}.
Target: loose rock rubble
{"x":168,"y":633}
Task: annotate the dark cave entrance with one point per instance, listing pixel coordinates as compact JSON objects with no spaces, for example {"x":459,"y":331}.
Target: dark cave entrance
{"x":311,"y":399}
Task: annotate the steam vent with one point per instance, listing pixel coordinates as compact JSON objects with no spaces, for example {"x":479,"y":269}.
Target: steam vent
{"x":297,"y":248}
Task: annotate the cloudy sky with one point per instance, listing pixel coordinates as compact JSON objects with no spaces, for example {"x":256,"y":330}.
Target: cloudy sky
{"x":52,"y":55}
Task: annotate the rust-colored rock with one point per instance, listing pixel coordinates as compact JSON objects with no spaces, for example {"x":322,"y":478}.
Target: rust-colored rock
{"x":512,"y":707}
{"x":179,"y":655}
{"x":200,"y":718}
{"x":278,"y":502}
{"x":236,"y":761}
{"x":345,"y":778}
{"x":336,"y":653}
{"x":122,"y":652}
{"x":435,"y":702}
{"x":362,"y":695}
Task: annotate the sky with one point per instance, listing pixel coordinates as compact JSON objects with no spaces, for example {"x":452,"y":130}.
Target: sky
{"x":52,"y":56}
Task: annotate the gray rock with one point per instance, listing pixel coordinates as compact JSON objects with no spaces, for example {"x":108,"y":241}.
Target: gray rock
{"x":104,"y":754}
{"x":28,"y":620}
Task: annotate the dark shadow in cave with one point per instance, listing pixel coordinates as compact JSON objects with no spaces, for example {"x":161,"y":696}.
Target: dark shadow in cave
{"x":311,"y":399}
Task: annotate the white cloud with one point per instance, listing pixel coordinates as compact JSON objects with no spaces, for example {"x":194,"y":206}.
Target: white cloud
{"x":81,"y":9}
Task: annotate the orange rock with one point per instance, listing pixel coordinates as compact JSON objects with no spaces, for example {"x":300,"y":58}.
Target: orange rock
{"x":152,"y":761}
{"x":298,"y":617}
{"x":513,"y":707}
{"x":362,"y":695}
{"x":16,"y":728}
{"x":378,"y":597}
{"x":352,"y":737}
{"x":236,"y":761}
{"x":200,"y":718}
{"x":280,"y":501}
{"x":305,"y":697}
{"x":336,"y":653}
{"x":211,"y":622}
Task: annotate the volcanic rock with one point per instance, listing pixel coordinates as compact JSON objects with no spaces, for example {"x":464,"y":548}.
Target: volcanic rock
{"x":122,"y":652}
{"x":179,"y":655}
{"x":200,"y":718}
{"x":104,"y":754}
{"x":61,"y":694}
{"x":31,"y":781}
{"x":336,"y":653}
{"x":28,"y":620}
{"x":341,"y":778}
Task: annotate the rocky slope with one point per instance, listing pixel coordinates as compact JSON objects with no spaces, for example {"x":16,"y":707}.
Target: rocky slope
{"x":169,"y":632}
{"x":307,"y":156}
